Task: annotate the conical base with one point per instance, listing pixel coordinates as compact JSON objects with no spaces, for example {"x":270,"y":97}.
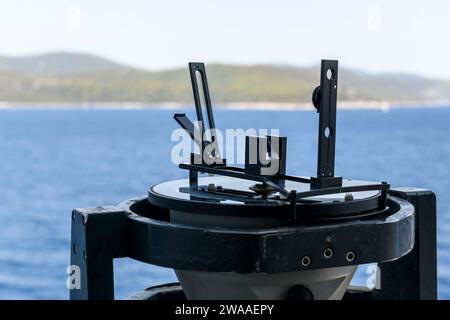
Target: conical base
{"x":324,"y":284}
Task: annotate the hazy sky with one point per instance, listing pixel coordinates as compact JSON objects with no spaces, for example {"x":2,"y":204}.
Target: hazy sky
{"x":410,"y":36}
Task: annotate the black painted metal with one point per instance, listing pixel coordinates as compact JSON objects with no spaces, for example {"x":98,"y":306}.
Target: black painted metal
{"x":414,"y":276}
{"x":274,"y":146}
{"x":211,"y":155}
{"x":261,"y":207}
{"x":199,"y":67}
{"x":200,"y":200}
{"x":299,"y":292}
{"x":327,"y":115}
{"x":325,"y":100}
{"x":103,"y":233}
{"x":209,"y":148}
{"x":140,"y":230}
{"x":267,"y":250}
{"x":189,"y":127}
{"x":98,"y":236}
{"x":230,"y":172}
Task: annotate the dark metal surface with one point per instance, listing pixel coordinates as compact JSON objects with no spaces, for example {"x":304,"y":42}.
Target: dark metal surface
{"x":232,"y":172}
{"x":414,"y":276}
{"x":209,"y":149}
{"x":103,"y":233}
{"x":232,"y":197}
{"x":256,"y":149}
{"x":189,"y":127}
{"x":98,"y":236}
{"x":327,"y":118}
{"x":199,"y":67}
{"x":268,"y":250}
{"x":325,"y":101}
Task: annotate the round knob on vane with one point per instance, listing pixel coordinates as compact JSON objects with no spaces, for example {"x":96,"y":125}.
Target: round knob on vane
{"x":316,"y":98}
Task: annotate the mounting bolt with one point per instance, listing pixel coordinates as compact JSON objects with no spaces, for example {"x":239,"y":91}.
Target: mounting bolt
{"x":328,"y":253}
{"x":348,"y":197}
{"x":350,"y":256}
{"x":306,"y":261}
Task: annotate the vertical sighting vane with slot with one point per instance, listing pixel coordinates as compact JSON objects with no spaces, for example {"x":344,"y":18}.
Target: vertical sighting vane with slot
{"x":198,"y":135}
{"x":325,"y":100}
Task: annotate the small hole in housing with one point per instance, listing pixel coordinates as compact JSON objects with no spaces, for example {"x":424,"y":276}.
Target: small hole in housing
{"x":350,"y":256}
{"x":327,"y":132}
{"x":74,"y":248}
{"x":327,"y":253}
{"x":306,"y":261}
{"x":330,"y":74}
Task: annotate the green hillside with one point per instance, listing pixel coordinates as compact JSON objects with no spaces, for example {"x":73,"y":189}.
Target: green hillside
{"x":66,"y":77}
{"x":57,"y":63}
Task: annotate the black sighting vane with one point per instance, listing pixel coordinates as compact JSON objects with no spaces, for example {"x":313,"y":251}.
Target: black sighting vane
{"x":325,"y":101}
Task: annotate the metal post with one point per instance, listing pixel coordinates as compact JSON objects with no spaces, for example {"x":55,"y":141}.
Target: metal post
{"x":325,"y":100}
{"x":414,"y":276}
{"x":98,"y":236}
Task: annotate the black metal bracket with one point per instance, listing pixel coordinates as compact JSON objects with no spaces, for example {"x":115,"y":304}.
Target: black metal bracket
{"x":325,"y":100}
{"x":190,"y":128}
{"x":98,"y":236}
{"x":256,"y":149}
{"x":209,"y":148}
{"x":235,"y":172}
{"x":194,"y":68}
{"x":413,"y":276}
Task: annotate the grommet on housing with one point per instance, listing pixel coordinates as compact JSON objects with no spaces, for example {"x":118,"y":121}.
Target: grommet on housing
{"x":306,"y":261}
{"x":328,"y":253}
{"x":350,"y":256}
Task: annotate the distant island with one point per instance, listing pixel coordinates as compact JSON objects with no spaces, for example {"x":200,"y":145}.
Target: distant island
{"x":82,"y":80}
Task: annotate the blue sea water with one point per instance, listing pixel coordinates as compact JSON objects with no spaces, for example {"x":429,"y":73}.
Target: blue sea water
{"x":52,"y":161}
